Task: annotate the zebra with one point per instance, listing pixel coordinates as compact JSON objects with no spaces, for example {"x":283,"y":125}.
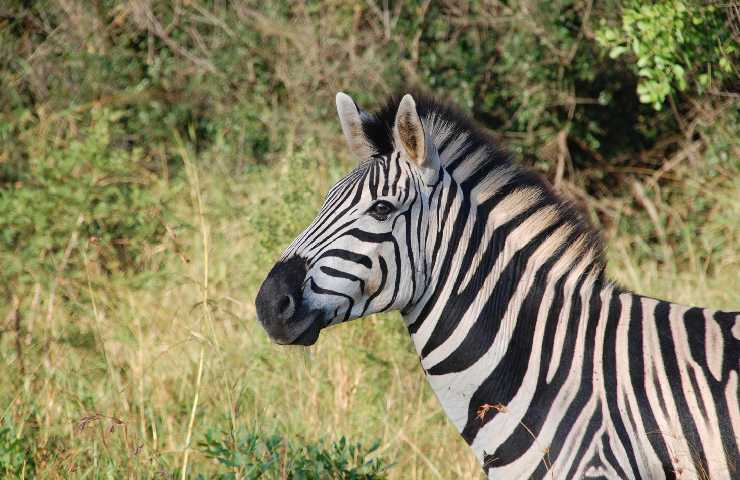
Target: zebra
{"x":545,"y":367}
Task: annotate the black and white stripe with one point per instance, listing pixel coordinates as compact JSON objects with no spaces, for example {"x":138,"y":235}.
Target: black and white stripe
{"x":545,"y":367}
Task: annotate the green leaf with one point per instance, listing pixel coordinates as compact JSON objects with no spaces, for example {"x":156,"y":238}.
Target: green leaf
{"x":617,"y":51}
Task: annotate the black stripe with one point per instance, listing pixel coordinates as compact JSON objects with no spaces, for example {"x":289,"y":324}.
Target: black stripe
{"x":699,"y":398}
{"x":406,"y":189}
{"x":381,"y":286}
{"x":610,"y":458}
{"x":461,"y":155}
{"x":386,"y":176}
{"x":311,"y":235}
{"x":585,"y":389}
{"x":375,"y":188}
{"x":586,"y":441}
{"x":397,"y":163}
{"x":448,"y":252}
{"x":369,"y":237}
{"x":363,"y":260}
{"x":610,"y":376}
{"x":659,"y":390}
{"x":673,"y":375}
{"x":545,"y":393}
{"x":333,"y":272}
{"x":695,"y":331}
{"x":481,"y":335}
{"x":635,"y":350}
{"x":324,"y":291}
{"x":422,"y":213}
{"x":325,"y":237}
{"x":459,"y":302}
{"x":446,"y":142}
{"x":506,"y":379}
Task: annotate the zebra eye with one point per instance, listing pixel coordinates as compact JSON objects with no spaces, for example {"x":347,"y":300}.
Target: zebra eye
{"x":381,"y":209}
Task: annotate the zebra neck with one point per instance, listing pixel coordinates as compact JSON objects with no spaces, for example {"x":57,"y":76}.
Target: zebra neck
{"x":478,"y":339}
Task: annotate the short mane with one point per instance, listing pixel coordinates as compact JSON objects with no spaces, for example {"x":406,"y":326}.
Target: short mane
{"x":470,"y":155}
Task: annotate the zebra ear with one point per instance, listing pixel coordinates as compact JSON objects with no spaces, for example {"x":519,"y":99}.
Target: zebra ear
{"x":349,"y":118}
{"x":408,"y":134}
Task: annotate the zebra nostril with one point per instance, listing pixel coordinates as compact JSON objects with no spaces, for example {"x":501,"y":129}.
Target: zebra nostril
{"x":285,"y":307}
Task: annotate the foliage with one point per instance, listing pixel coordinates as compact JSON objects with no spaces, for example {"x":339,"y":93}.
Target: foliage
{"x":676,"y":43}
{"x":16,"y":454}
{"x":88,"y":191}
{"x":252,"y":455}
{"x":531,"y":74}
{"x":668,"y":236}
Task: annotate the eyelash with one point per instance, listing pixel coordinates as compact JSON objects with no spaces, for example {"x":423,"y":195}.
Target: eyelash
{"x":381,"y":216}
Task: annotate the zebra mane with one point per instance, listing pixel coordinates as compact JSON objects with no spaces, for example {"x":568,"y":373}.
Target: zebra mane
{"x":470,"y":155}
{"x":452,"y":130}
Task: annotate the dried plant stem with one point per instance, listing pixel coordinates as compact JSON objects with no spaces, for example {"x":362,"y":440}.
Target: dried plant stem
{"x":195,"y":192}
{"x":96,"y":316}
{"x":13,"y":321}
{"x":186,"y":453}
{"x":194,"y":180}
{"x":420,"y":454}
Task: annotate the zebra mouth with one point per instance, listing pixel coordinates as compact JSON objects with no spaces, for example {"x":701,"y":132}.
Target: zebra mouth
{"x":310,"y":333}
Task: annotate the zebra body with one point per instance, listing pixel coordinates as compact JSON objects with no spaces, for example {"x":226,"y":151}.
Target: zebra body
{"x":545,"y":367}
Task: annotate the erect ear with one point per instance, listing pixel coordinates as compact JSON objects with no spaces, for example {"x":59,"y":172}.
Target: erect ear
{"x":409,"y":135}
{"x":349,"y":118}
{"x":408,"y":132}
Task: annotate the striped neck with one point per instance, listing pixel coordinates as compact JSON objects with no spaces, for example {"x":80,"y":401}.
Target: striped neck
{"x":506,"y":264}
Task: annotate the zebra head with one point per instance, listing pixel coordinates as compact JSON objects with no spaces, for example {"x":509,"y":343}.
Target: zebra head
{"x":360,"y":255}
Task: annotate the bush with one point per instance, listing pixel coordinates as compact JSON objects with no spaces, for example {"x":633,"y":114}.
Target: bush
{"x":676,"y":46}
{"x":251,"y":455}
{"x":16,"y":454}
{"x":238,"y":78}
{"x":79,"y":194}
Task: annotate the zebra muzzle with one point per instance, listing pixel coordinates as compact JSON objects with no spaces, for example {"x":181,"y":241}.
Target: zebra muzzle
{"x":280,"y":307}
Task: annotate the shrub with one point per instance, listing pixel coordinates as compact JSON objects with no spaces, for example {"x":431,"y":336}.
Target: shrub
{"x":675,"y":45}
{"x":250,"y":455}
{"x":79,"y":193}
{"x":16,"y":454}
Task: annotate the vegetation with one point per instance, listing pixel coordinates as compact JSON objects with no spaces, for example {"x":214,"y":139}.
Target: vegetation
{"x":155,"y":158}
{"x":254,"y":456}
{"x":669,"y":41}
